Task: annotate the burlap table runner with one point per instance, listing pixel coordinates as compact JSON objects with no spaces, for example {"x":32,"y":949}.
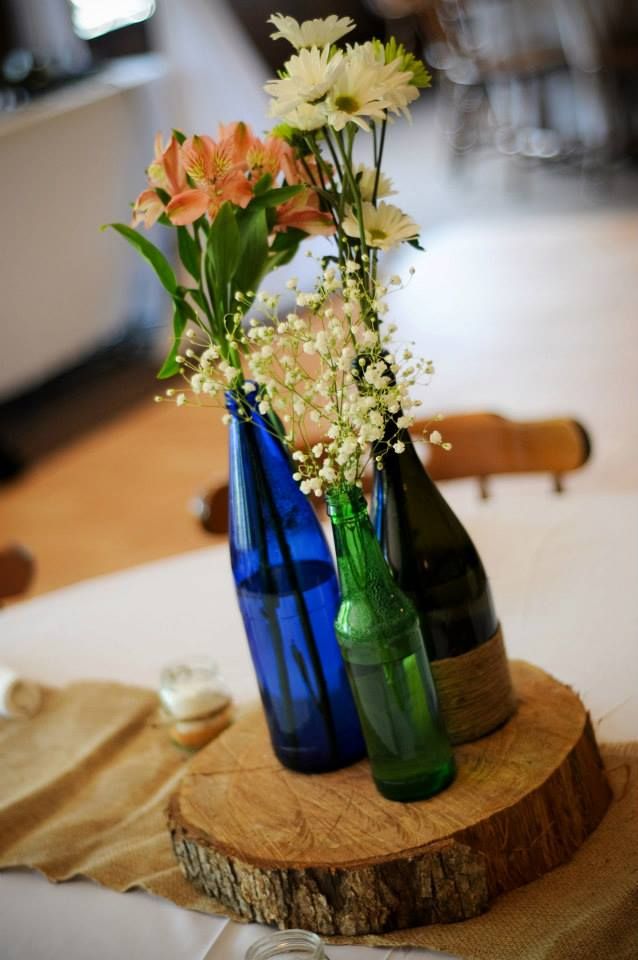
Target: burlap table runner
{"x":84,"y":785}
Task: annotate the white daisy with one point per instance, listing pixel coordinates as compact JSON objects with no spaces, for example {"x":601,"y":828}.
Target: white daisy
{"x":395,"y":86}
{"x":366,"y":176}
{"x":384,"y":226}
{"x":366,"y":88}
{"x":310,"y":33}
{"x":307,"y":116}
{"x":309,"y":75}
{"x":400,"y":91}
{"x":356,"y":94}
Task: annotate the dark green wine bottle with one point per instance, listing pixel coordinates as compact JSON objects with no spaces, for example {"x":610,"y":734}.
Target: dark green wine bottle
{"x":382,"y":646}
{"x":430,"y":553}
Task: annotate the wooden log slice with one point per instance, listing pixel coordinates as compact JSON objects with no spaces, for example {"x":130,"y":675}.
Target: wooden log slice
{"x":326,"y":852}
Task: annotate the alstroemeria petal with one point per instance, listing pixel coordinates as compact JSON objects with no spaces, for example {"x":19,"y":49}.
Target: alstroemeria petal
{"x":198,"y":154}
{"x":188,"y":206}
{"x":236,"y":188}
{"x":303,"y":213}
{"x":147,"y":208}
{"x":172,"y":161}
{"x":239,"y":138}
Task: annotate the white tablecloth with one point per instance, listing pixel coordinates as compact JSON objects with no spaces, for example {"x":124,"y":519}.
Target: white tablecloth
{"x":564,"y":572}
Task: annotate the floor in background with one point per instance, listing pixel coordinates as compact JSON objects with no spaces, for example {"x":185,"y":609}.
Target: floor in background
{"x":110,"y":475}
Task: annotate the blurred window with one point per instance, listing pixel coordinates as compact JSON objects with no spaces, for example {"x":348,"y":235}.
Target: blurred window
{"x":94,"y":18}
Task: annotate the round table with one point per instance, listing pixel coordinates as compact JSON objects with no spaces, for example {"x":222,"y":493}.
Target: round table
{"x":563,"y":569}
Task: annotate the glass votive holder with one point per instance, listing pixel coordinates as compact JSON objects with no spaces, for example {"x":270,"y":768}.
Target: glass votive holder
{"x":287,"y":945}
{"x":195,"y":699}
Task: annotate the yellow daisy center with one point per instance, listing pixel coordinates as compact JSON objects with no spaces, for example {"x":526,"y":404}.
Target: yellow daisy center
{"x":347,"y":104}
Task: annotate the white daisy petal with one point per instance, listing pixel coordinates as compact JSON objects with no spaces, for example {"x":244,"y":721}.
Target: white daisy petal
{"x":385,"y":225}
{"x":309,"y":75}
{"x":310,"y":33}
{"x":366,"y":177}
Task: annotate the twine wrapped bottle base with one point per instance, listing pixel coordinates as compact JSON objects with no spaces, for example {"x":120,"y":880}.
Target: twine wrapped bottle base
{"x":475,"y":690}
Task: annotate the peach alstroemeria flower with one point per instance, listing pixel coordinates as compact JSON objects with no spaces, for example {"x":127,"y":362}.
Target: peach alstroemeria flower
{"x":266,"y":157}
{"x":304,"y":213}
{"x":239,"y":137}
{"x":297,"y":172}
{"x":165,"y":172}
{"x":217,"y":178}
{"x":255,"y":156}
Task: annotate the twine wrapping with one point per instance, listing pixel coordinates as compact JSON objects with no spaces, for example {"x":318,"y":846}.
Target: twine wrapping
{"x":475,"y":690}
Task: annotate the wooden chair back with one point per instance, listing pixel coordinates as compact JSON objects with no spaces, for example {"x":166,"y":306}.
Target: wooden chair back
{"x":17,"y":568}
{"x":486,"y":444}
{"x":483,"y":445}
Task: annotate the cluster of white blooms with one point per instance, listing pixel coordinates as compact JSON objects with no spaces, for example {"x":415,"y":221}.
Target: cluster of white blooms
{"x":325,"y":95}
{"x":321,"y":86}
{"x":206,"y":374}
{"x":340,"y":391}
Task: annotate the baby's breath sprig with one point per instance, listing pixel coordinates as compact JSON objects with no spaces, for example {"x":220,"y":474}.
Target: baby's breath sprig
{"x":207,"y":375}
{"x":337,"y":386}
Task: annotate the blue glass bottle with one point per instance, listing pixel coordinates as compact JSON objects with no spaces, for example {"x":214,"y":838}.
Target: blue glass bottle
{"x":288,"y":596}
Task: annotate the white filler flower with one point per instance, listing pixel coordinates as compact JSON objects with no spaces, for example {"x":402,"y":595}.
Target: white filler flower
{"x":384,"y":226}
{"x":310,"y":33}
{"x":309,"y":75}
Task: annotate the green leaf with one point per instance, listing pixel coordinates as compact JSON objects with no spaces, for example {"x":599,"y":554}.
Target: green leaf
{"x":415,"y":243}
{"x":223,"y":250}
{"x":290,"y":134}
{"x":289,"y":238}
{"x":253,"y":253}
{"x":281,"y":258}
{"x":198,"y":297}
{"x":284,"y":247}
{"x":171,"y":367}
{"x":264,"y":183}
{"x":179,"y":136}
{"x":188,"y":252}
{"x":149,"y":251}
{"x":272,"y":198}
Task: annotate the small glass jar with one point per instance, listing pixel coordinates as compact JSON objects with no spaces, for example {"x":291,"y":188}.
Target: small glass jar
{"x":192,"y":688}
{"x":287,"y":945}
{"x":196,"y":701}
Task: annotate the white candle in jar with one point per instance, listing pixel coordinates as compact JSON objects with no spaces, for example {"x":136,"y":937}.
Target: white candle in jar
{"x":192,"y":689}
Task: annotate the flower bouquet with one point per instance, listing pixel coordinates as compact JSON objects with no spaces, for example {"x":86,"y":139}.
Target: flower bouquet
{"x":325,"y":381}
{"x":240,"y":208}
{"x":328,"y":369}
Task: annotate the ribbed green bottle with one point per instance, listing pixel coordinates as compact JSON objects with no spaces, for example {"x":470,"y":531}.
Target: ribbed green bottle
{"x":380,"y":638}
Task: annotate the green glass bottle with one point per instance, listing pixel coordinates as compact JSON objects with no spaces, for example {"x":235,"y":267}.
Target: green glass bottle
{"x":382,"y":646}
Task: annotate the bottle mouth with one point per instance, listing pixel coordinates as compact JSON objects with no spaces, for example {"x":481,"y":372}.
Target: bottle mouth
{"x":345,"y":502}
{"x":241,"y":402}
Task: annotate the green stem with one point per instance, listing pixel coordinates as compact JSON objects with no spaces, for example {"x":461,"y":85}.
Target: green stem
{"x":378,"y":159}
{"x":354,"y":188}
{"x":271,"y":597}
{"x":325,"y":194}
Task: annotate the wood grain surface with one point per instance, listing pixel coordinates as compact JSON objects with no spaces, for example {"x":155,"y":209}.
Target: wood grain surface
{"x":328,"y":853}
